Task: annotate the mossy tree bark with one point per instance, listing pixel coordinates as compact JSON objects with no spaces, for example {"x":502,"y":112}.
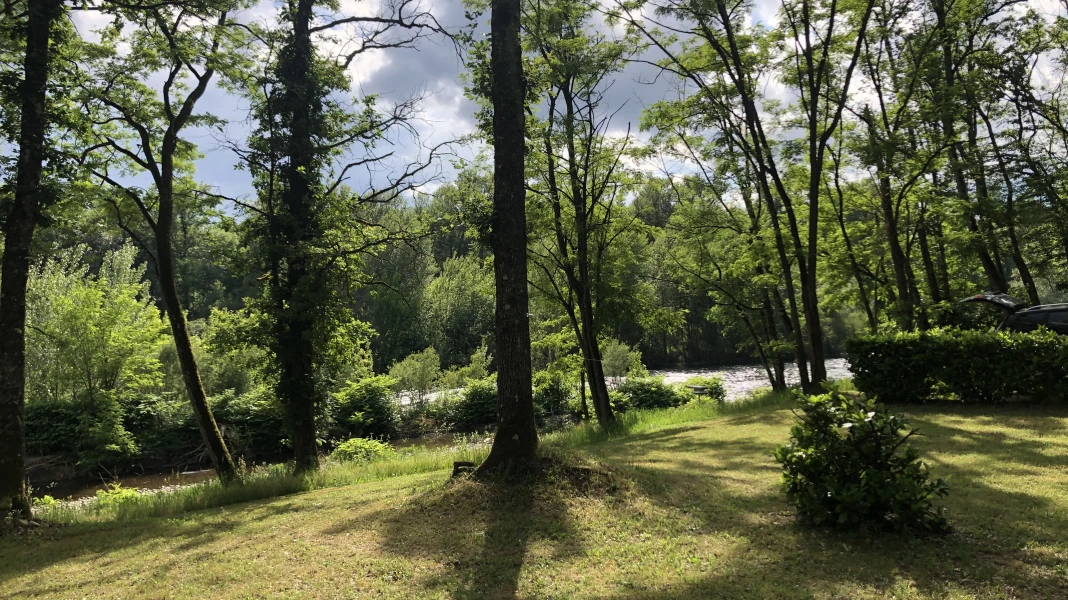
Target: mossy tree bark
{"x":161,"y":167}
{"x":300,"y":107}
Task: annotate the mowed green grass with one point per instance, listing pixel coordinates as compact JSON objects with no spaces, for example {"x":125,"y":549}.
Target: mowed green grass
{"x":686,"y":511}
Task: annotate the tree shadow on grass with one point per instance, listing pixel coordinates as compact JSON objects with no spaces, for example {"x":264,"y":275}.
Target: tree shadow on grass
{"x":54,"y":545}
{"x":481,"y":533}
{"x":731,"y":485}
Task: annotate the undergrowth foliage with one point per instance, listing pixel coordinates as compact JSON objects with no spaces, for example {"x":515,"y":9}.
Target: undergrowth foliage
{"x":362,"y":450}
{"x":646,"y":393}
{"x":848,"y":465}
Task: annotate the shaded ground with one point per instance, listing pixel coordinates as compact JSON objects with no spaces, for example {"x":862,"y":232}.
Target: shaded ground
{"x":687,"y":512}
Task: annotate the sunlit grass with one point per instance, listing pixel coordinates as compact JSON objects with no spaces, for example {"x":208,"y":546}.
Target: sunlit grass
{"x":639,"y":421}
{"x":674,"y":510}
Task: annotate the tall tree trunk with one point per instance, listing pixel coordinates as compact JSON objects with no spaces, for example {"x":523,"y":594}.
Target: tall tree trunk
{"x":591,"y":355}
{"x":897,"y":255}
{"x":209,"y":430}
{"x":984,"y":205}
{"x":582,"y":282}
{"x":295,"y":310}
{"x":778,"y":382}
{"x":839,"y":211}
{"x":794,"y":322}
{"x":515,"y":444}
{"x":18,"y":237}
{"x":163,"y":229}
{"x":774,"y":363}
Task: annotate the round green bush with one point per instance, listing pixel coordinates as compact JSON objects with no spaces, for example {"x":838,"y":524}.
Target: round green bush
{"x":365,"y":409}
{"x":849,"y":466}
{"x":253,"y":422}
{"x":477,"y":407}
{"x":552,"y":394}
{"x":361,"y":450}
{"x":649,"y":393}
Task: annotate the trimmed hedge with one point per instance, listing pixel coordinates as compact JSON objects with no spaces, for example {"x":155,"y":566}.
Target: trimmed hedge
{"x":969,"y":366}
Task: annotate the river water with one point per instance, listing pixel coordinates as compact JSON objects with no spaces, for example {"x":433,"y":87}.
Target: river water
{"x":741,"y":380}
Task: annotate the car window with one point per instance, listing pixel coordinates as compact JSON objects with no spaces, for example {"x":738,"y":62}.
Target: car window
{"x":1058,"y":321}
{"x":1026,"y":321}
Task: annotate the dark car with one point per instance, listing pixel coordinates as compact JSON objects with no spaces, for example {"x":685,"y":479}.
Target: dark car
{"x":1021,"y":318}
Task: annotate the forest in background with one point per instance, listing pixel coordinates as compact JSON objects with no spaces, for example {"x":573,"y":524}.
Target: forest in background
{"x":851,"y":166}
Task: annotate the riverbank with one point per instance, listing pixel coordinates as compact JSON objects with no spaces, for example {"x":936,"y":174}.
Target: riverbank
{"x":275,"y":480}
{"x":741,"y":380}
{"x":673,"y":511}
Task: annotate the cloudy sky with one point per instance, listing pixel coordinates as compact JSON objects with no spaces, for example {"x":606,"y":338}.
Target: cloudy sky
{"x":432,"y":69}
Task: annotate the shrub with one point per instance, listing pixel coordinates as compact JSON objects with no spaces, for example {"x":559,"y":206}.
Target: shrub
{"x":649,"y":392}
{"x":552,"y":394}
{"x":417,"y":374}
{"x":164,"y":427}
{"x":619,"y":402}
{"x":252,"y":422}
{"x":114,"y":494}
{"x":848,"y":466}
{"x":417,"y":420}
{"x":92,"y":345}
{"x":365,"y":409}
{"x":361,"y":450}
{"x":620,"y":360}
{"x":457,"y":377}
{"x":972,"y":366}
{"x":713,"y":386}
{"x":477,"y":407}
{"x":51,"y":427}
{"x":45,"y":501}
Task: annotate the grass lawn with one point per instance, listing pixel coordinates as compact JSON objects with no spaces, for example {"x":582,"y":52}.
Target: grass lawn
{"x":686,"y":511}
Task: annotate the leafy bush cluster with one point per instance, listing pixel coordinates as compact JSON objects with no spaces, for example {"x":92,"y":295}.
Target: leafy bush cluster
{"x":971,"y":366}
{"x":361,"y":450}
{"x":620,"y":360}
{"x":364,"y":408}
{"x":714,"y":389}
{"x":552,"y":395}
{"x":114,"y":494}
{"x":647,"y":393}
{"x":457,"y":376}
{"x":417,"y":374}
{"x":92,"y":351}
{"x":476,"y":408}
{"x":848,"y":466}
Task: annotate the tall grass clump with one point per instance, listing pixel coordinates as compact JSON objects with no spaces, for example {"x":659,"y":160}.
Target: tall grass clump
{"x":260,"y":483}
